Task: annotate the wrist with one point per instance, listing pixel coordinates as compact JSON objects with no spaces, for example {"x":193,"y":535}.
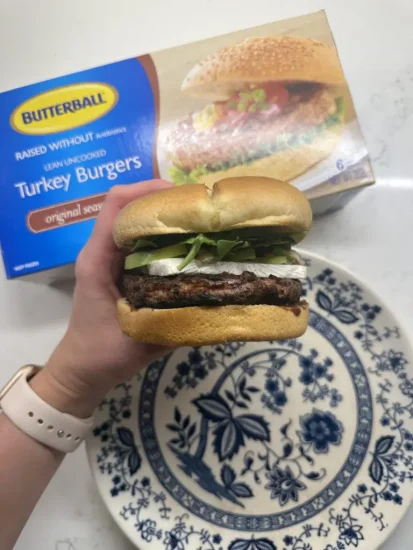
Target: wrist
{"x":61,"y":385}
{"x":67,"y":382}
{"x":63,"y":398}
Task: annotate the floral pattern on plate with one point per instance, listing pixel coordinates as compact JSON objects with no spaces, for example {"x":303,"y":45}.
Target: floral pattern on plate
{"x":297,"y":445}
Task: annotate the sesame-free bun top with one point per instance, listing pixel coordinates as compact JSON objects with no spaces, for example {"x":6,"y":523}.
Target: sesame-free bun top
{"x":263,"y":59}
{"x":231,"y":203}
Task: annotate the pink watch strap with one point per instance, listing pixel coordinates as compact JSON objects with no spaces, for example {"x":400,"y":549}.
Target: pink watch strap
{"x":41,"y":421}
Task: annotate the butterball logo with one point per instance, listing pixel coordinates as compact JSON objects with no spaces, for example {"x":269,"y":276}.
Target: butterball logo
{"x":64,"y":108}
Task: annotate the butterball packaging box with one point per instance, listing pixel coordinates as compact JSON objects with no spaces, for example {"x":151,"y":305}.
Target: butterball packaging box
{"x":269,"y":101}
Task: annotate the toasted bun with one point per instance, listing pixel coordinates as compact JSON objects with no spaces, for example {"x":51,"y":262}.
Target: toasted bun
{"x":201,"y":326}
{"x":285,"y":165}
{"x":272,"y":58}
{"x":231,"y":203}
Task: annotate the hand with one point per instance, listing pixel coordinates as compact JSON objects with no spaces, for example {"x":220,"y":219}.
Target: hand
{"x":94,"y":355}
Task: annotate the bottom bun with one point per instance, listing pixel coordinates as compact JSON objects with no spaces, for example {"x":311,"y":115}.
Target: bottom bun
{"x":285,"y":165}
{"x":200,"y":326}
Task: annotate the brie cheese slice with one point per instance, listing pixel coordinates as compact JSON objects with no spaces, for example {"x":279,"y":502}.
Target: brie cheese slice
{"x":163,"y":268}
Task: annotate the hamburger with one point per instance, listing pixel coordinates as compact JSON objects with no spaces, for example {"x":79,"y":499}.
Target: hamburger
{"x":205,"y":266}
{"x":275,"y":108}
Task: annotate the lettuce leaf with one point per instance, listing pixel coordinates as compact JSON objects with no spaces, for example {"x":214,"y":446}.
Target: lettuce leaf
{"x":180,"y":177}
{"x":191,"y":255}
{"x":143,"y":243}
{"x":196,"y":243}
{"x":203,"y":239}
{"x":242,"y":255}
{"x":225,"y":246}
{"x":195,"y":248}
{"x":236,"y":245}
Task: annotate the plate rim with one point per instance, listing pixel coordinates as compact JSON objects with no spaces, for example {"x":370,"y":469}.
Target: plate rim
{"x":409,"y":347}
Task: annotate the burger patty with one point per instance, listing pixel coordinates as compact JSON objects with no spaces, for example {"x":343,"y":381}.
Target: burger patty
{"x":209,"y":290}
{"x":190,"y":149}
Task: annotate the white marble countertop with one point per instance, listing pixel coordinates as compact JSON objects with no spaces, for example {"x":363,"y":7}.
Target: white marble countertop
{"x":372,"y":235}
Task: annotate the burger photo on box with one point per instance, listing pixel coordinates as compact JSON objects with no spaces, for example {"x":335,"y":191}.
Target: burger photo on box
{"x":206,"y":266}
{"x":277,"y":109}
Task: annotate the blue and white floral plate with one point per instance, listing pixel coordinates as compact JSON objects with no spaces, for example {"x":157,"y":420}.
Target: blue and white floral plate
{"x":297,"y":445}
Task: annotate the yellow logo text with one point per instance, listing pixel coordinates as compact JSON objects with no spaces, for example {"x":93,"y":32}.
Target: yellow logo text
{"x":64,"y":108}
